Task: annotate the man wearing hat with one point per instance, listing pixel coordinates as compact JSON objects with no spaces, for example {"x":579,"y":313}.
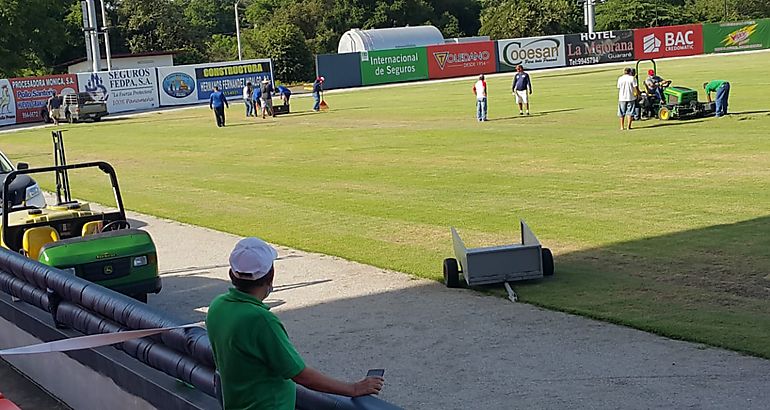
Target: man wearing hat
{"x":267,"y":98}
{"x":317,"y":89}
{"x":256,"y":360}
{"x":655,"y":84}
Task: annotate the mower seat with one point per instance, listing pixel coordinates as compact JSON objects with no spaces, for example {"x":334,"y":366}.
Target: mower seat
{"x":90,"y":228}
{"x":35,"y":238}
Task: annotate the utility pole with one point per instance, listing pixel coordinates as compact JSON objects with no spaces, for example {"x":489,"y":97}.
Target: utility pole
{"x":590,"y":15}
{"x":106,"y":32}
{"x":86,"y":33}
{"x":238,"y":30}
{"x":93,"y":35}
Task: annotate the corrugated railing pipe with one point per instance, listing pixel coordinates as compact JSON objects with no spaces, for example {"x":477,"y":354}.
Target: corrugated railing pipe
{"x":154,"y":354}
{"x":110,"y":304}
{"x":28,"y":293}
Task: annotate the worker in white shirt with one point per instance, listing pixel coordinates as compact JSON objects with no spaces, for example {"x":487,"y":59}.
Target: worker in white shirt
{"x":480,"y":90}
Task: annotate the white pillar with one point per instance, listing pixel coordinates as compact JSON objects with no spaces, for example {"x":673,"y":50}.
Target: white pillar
{"x":94,"y":35}
{"x":105,"y":30}
{"x":238,"y":31}
{"x":591,"y":15}
{"x":86,"y":33}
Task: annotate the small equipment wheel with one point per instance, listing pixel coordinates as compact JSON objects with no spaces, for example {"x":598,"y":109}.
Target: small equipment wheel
{"x":451,"y":273}
{"x":547,"y":262}
{"x":664,"y":113}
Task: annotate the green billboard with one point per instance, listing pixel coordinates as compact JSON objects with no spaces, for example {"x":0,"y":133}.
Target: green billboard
{"x":739,"y":36}
{"x":393,"y":66}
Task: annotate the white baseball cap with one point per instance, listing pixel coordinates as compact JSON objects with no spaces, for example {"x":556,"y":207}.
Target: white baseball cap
{"x":252,"y":258}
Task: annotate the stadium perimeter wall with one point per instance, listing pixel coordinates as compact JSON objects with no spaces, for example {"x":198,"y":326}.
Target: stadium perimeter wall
{"x":568,"y":50}
{"x":22,"y":100}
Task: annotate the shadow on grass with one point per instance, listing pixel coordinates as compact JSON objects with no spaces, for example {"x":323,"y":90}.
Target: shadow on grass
{"x":730,"y":259}
{"x":535,"y":114}
{"x":671,"y":123}
{"x":750,"y":112}
{"x":707,"y":285}
{"x":141,"y":119}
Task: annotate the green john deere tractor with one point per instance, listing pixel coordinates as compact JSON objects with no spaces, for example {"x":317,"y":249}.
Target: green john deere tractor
{"x":96,"y":245}
{"x":678,"y":102}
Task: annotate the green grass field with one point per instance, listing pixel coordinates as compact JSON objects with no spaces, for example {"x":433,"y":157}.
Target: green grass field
{"x":665,"y":228}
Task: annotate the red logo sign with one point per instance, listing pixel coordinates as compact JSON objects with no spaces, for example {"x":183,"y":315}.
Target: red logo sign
{"x":672,"y":41}
{"x":457,"y":60}
{"x":32,"y":93}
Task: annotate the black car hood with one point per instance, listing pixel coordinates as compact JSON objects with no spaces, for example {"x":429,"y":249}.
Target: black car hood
{"x":18,"y":188}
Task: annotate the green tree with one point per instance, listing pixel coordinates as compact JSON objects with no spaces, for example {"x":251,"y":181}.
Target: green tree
{"x":210,"y":17}
{"x":522,"y":18}
{"x":34,"y":36}
{"x":158,"y":25}
{"x":285,"y":45}
{"x":630,"y":14}
{"x":222,"y":48}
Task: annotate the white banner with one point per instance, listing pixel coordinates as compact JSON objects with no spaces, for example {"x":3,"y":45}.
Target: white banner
{"x":122,"y":90}
{"x":7,"y":103}
{"x":192,"y":84}
{"x":90,"y":341}
{"x":532,"y":52}
{"x":177,"y":85}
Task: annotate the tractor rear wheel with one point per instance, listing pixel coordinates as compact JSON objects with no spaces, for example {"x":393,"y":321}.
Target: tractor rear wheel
{"x":451,"y":273}
{"x":664,"y":113}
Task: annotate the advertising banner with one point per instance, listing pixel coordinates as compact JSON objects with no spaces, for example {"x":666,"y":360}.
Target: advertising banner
{"x":599,"y":47}
{"x":392,"y":66}
{"x":192,"y":84}
{"x":740,"y":36}
{"x":339,"y":70}
{"x":671,"y":41}
{"x":457,"y":60}
{"x":7,"y":104}
{"x":32,"y":93}
{"x":532,"y":53}
{"x":122,"y":90}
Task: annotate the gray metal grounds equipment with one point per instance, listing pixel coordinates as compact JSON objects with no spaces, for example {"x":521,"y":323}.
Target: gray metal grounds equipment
{"x":498,"y":264}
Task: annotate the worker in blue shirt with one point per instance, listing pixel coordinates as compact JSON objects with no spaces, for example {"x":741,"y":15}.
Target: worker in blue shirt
{"x":257,"y":100}
{"x":318,"y":88}
{"x":218,"y":102}
{"x":285,"y":94}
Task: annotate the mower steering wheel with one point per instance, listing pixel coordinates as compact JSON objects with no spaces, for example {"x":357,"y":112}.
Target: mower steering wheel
{"x":116,"y":225}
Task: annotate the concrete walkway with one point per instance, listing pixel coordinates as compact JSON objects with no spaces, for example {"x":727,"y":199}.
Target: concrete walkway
{"x":458,"y":349}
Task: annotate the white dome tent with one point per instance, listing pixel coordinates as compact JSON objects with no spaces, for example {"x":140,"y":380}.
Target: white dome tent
{"x":388,"y":38}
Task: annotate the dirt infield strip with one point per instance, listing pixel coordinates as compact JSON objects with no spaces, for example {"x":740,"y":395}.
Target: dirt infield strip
{"x":457,"y":349}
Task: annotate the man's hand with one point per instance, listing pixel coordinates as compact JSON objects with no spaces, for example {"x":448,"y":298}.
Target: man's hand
{"x":369,"y":385}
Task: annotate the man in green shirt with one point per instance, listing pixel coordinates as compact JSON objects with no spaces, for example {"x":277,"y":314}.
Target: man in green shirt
{"x":257,"y":363}
{"x":722,"y":90}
